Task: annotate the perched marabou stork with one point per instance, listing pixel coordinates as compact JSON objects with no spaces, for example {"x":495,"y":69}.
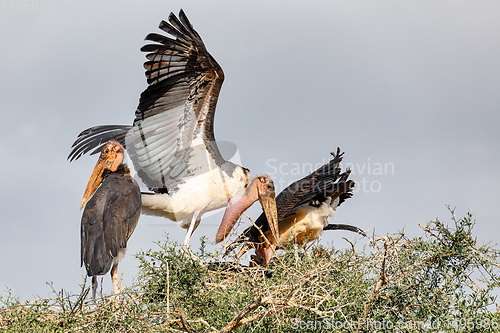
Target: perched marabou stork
{"x":303,"y":209}
{"x":110,"y":216}
{"x":171,"y":142}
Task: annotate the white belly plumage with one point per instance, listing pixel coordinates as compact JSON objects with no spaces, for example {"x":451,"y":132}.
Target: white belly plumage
{"x":203,"y":193}
{"x":306,"y":224}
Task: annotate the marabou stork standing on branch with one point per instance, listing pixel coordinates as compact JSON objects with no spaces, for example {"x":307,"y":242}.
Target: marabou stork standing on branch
{"x":171,"y":142}
{"x":303,"y":208}
{"x":110,"y":215}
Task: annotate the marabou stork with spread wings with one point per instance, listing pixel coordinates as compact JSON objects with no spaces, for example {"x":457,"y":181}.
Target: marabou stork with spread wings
{"x":110,"y":216}
{"x":171,"y":142}
{"x":303,"y":209}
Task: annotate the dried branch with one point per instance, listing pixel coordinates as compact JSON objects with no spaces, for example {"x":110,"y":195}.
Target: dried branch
{"x":382,"y":280}
{"x":235,"y":322}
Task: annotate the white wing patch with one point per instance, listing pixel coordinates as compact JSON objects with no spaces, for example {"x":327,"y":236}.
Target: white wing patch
{"x":160,"y":147}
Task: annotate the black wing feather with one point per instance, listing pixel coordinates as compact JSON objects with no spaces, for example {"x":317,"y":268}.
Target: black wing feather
{"x":94,"y":255}
{"x":317,"y":186}
{"x":184,"y":84}
{"x":178,"y":105}
{"x":121,"y":213}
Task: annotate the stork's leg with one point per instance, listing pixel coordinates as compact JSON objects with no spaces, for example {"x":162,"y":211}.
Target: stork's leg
{"x":190,"y":231}
{"x":114,"y":278}
{"x":94,"y":286}
{"x":192,"y":227}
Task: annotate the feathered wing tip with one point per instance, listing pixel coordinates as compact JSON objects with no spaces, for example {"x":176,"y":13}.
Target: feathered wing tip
{"x":180,"y":54}
{"x":186,"y":23}
{"x":183,"y":26}
{"x":182,"y":57}
{"x":346,"y":187}
{"x":344,"y":192}
{"x":96,"y":138}
{"x":169,"y":58}
{"x":343,"y":187}
{"x":318,"y":185}
{"x":332,"y":169}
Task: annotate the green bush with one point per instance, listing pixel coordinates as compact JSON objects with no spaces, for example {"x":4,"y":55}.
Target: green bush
{"x":441,"y":281}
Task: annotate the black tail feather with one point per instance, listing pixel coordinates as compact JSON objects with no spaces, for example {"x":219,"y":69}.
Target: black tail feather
{"x":96,"y":138}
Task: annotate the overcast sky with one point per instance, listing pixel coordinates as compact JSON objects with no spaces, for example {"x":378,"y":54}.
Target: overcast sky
{"x":409,"y":90}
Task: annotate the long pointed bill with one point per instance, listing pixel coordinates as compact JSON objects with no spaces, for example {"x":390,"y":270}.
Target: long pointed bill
{"x":93,"y":184}
{"x":345,"y":227}
{"x":261,"y":188}
{"x":235,"y":207}
{"x":111,"y":157}
{"x":268,"y":202}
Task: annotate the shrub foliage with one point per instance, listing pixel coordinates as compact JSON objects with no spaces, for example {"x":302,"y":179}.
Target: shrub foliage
{"x":440,"y":281}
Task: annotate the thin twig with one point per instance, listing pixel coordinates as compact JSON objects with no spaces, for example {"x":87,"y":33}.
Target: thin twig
{"x":168,"y":289}
{"x":352,"y":245}
{"x":184,"y":323}
{"x":382,"y":280}
{"x":237,"y":319}
{"x":268,"y":243}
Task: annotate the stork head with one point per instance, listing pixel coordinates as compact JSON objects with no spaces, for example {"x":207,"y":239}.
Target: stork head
{"x":111,"y":157}
{"x":262,"y":189}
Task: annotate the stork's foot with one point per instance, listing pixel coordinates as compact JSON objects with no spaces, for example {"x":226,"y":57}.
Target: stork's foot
{"x":116,"y":283}
{"x":187,"y":250}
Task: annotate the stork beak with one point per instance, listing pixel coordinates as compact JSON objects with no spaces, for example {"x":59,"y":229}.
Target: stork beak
{"x":111,"y":157}
{"x":235,"y":207}
{"x":262,"y":189}
{"x":268,"y":201}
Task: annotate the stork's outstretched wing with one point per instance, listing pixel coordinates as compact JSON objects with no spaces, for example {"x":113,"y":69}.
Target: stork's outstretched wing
{"x":319,"y":184}
{"x":172,"y":136}
{"x":325,"y":182}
